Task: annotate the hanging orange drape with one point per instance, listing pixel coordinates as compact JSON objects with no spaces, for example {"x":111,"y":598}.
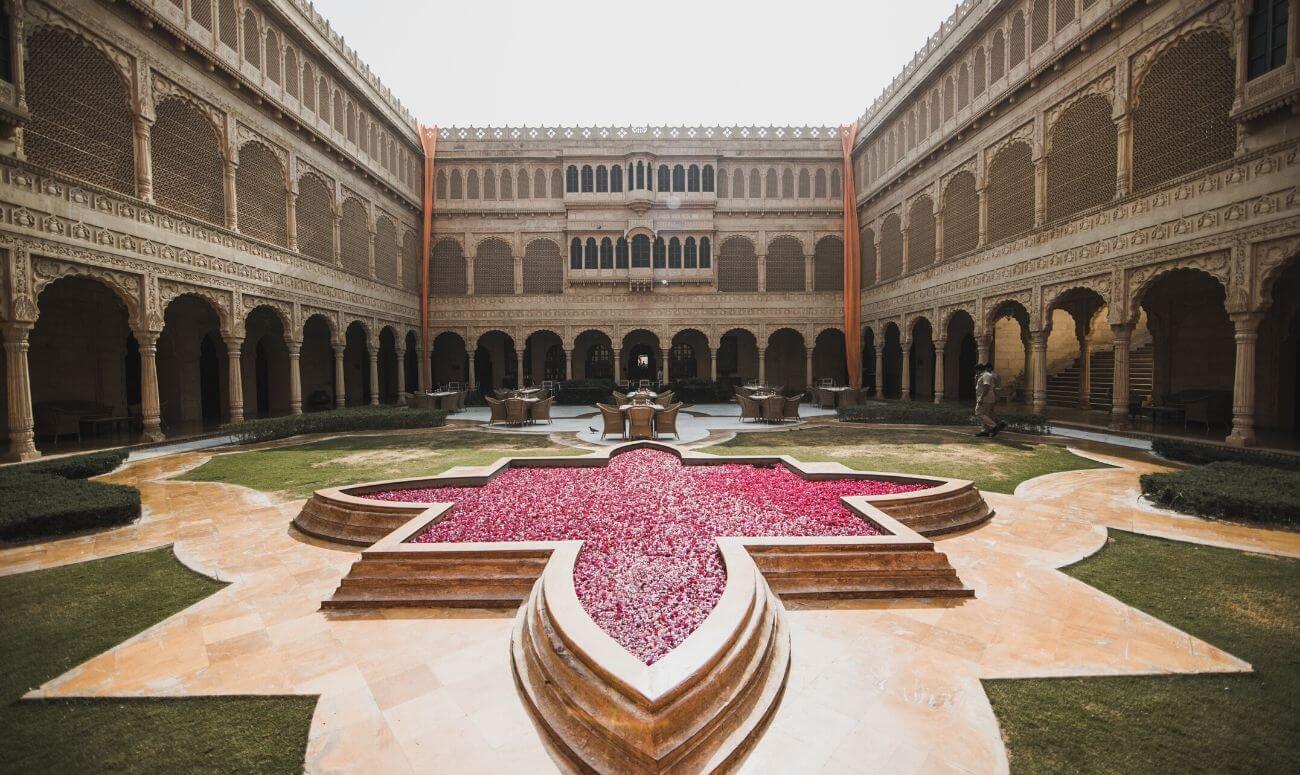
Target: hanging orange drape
{"x":429,"y":140}
{"x":852,"y":263}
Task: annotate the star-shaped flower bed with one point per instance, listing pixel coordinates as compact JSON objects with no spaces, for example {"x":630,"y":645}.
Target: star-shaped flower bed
{"x":649,"y":572}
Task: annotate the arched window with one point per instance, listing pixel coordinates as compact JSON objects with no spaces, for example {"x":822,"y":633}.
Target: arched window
{"x":81,"y":123}
{"x":640,"y":176}
{"x":410,"y":261}
{"x":690,"y":259}
{"x":681,"y":361}
{"x":591,"y":256}
{"x":521,"y":186}
{"x":922,"y":120}
{"x":606,"y":253}
{"x":674,"y":253}
{"x":693,"y":178}
{"x":1039,"y":24}
{"x":489,"y":184}
{"x":272,"y":56}
{"x":707,"y":181}
{"x":571,"y":180}
{"x":737,"y":266}
{"x":575,"y":253}
{"x":785,"y":265}
{"x":867,"y":247}
{"x":1010,"y":192}
{"x":947,"y":98}
{"x":679,"y":178}
{"x":187,"y":165}
{"x":756,"y":184}
{"x":456,"y":192}
{"x":291,"y":73}
{"x":471,"y":184}
{"x":891,"y":248}
{"x":556,"y":188}
{"x":554,"y":363}
{"x":1081,"y":158}
{"x":664,"y":183}
{"x":819,"y":184}
{"x":978,"y":67}
{"x":1017,"y":54}
{"x":620,"y":253}
{"x":828,"y":264}
{"x":997,"y":56}
{"x":616,"y":178}
{"x":963,"y":86}
{"x":386,"y":252}
{"x":543,"y":270}
{"x":1064,"y":13}
{"x":447,"y":269}
{"x":308,"y":87}
{"x":260,"y":194}
{"x":920,"y":234}
{"x":228,"y":20}
{"x":507,"y":185}
{"x":588,"y":179}
{"x":602,"y":179}
{"x":660,"y":256}
{"x":770,"y":184}
{"x":706,"y":255}
{"x":787,"y":184}
{"x":323,"y":99}
{"x":315,"y":213}
{"x":539,"y":185}
{"x":640,"y":252}
{"x":934,"y":113}
{"x":836,"y":186}
{"x":961,"y":216}
{"x":600,"y":362}
{"x":1181,"y":117}
{"x":252,"y":41}
{"x":201,"y":12}
{"x":354,"y":238}
{"x":805,"y":184}
{"x":494,"y":268}
{"x":340,"y":106}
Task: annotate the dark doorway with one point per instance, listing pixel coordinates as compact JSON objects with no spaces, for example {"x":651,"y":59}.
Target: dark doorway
{"x":966,"y":359}
{"x":209,"y":381}
{"x":641,"y":363}
{"x":132,"y":372}
{"x":483,"y":370}
{"x":263,"y":373}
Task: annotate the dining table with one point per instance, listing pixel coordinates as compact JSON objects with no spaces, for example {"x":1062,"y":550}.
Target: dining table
{"x":839,"y":392}
{"x":624,"y":409}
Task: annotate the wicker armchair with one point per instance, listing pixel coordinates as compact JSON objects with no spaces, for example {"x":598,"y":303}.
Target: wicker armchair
{"x":620,"y":398}
{"x":516,"y":411}
{"x":825,"y":398}
{"x":640,"y":422}
{"x":501,"y":394}
{"x":749,"y":408}
{"x":664,"y":399}
{"x":666,"y":421}
{"x":613,"y":419}
{"x":791,"y":410}
{"x":774,"y":408}
{"x":542,"y":410}
{"x":498,"y":409}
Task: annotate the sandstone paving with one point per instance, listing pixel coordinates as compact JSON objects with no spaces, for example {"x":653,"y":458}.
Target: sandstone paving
{"x":874,"y":686}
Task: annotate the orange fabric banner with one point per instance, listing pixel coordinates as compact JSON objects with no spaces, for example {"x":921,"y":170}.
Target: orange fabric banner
{"x":852,"y":263}
{"x":429,"y":140}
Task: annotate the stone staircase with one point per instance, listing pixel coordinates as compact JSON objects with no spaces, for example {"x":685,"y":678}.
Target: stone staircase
{"x":1063,"y":387}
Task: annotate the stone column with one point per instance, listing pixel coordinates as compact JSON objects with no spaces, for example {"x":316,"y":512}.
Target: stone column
{"x":1085,"y":373}
{"x":1038,"y":355}
{"x":143,"y":158}
{"x":664,"y":376}
{"x":568,"y":363}
{"x":519,"y":368}
{"x":938,"y":234}
{"x":232,"y":194}
{"x":1040,"y":191}
{"x":940,"y":345}
{"x":1119,"y":389}
{"x":150,"y":405}
{"x":762,"y":273}
{"x":22,"y":425}
{"x":401,"y":376}
{"x":713,"y":364}
{"x":808,"y":368}
{"x":762,"y":365}
{"x":982,"y":196}
{"x":472,"y":379}
{"x":1246,"y":332}
{"x":295,"y":377}
{"x":880,"y":372}
{"x":983,"y":344}
{"x":336,"y":234}
{"x":340,"y":382}
{"x":469,"y":275}
{"x":374,"y":374}
{"x":234,"y":373}
{"x":905,"y":384}
{"x":618,"y":364}
{"x":291,"y":218}
{"x":1124,"y":155}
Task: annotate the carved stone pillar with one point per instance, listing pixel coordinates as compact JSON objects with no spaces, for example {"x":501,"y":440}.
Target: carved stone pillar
{"x":1085,"y":372}
{"x":880,"y":371}
{"x":1040,"y":191}
{"x":291,"y":219}
{"x":938,"y":235}
{"x":907,"y":250}
{"x":618,"y":364}
{"x":472,"y":383}
{"x":1124,"y":155}
{"x":22,"y":425}
{"x":150,"y":405}
{"x":336,"y":235}
{"x":469,"y":275}
{"x":568,"y":363}
{"x":940,"y":345}
{"x":983,"y":344}
{"x":295,"y":377}
{"x":808,"y":370}
{"x":664,"y":374}
{"x":1119,"y":389}
{"x":762,"y":365}
{"x":401,"y":376}
{"x":519,"y":368}
{"x":374,"y":375}
{"x":143,"y":158}
{"x":235,"y":377}
{"x":1038,"y":356}
{"x":982,"y":196}
{"x":762,"y":273}
{"x":905,"y":384}
{"x":230,"y":167}
{"x":340,"y":381}
{"x":1246,"y":332}
{"x":713,"y":364}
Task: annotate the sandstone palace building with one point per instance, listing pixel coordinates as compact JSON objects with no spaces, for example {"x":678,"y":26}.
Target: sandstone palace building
{"x":212,"y":210}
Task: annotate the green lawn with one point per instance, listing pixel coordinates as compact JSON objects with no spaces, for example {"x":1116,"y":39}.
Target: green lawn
{"x":300,"y":469}
{"x":995,"y":465}
{"x":1247,"y":604}
{"x":56,"y":619}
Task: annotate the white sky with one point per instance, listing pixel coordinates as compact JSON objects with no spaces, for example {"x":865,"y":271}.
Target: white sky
{"x":619,"y":62}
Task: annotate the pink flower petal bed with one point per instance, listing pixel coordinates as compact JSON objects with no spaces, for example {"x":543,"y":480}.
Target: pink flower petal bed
{"x":649,"y":571}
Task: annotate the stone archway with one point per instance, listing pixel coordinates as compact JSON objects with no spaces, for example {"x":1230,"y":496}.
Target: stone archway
{"x":265,"y":364}
{"x":961,"y":354}
{"x":786,"y":360}
{"x":738,"y":356}
{"x":1277,"y":377}
{"x":593,"y":356}
{"x":921,"y":361}
{"x":828,"y":360}
{"x":357,"y":365}
{"x":1009,"y":349}
{"x":688,"y":356}
{"x":540,"y":358}
{"x":411,"y":361}
{"x":870,"y":363}
{"x":316,"y":365}
{"x":388,"y":365}
{"x":495,"y":362}
{"x":892,"y":362}
{"x":640,"y":357}
{"x":450,"y":359}
{"x":194,"y":365}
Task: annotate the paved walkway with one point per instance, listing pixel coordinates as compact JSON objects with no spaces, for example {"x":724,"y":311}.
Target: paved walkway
{"x":877,"y":686}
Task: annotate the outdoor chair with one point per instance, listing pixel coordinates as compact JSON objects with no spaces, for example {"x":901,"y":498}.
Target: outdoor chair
{"x":613,"y":420}
{"x":749,"y":408}
{"x":501,"y":394}
{"x":791,"y":409}
{"x":498,"y":409}
{"x":640,"y":422}
{"x":666,"y":421}
{"x":774,"y":408}
{"x":516,"y":411}
{"x":620,"y":398}
{"x":665,"y":399}
{"x":825,"y":398}
{"x":542,"y":410}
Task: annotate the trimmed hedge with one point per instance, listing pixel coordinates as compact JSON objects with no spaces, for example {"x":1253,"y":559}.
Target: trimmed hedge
{"x":56,"y":497}
{"x":1199,"y":453}
{"x":702,"y":391}
{"x":578,"y":392}
{"x":921,"y":413}
{"x":357,"y":418}
{"x":1229,"y":490}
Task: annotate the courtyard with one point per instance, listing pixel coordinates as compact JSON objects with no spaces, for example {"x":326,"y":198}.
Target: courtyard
{"x":1091,"y":613}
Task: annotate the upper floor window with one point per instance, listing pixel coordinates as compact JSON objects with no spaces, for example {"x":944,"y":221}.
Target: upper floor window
{"x":708,"y":177}
{"x":640,"y":252}
{"x":1267,"y":44}
{"x":571,"y":180}
{"x":660,"y":253}
{"x":6,"y":49}
{"x":602,"y":180}
{"x":575,"y":253}
{"x":693,"y":178}
{"x":616,"y":178}
{"x":679,"y":178}
{"x":587,"y":179}
{"x":620,"y":253}
{"x":664,"y":183}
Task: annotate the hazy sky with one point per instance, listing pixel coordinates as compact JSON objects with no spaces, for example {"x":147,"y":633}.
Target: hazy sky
{"x":600,"y":62}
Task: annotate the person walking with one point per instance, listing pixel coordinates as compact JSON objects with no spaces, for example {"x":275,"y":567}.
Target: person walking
{"x":987,"y":383}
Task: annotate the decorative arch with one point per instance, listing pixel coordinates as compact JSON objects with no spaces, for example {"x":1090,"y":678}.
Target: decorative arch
{"x":543,"y":267}
{"x":1010,"y":191}
{"x":354,"y":237}
{"x":494,"y":267}
{"x":737,"y":266}
{"x":261,"y":194}
{"x":386,"y":250}
{"x":785,"y":265}
{"x":891,"y":247}
{"x":828,"y":264}
{"x":1082,"y":149}
{"x":1215,"y":265}
{"x":920,"y":233}
{"x":447,"y":269}
{"x":315,"y":215}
